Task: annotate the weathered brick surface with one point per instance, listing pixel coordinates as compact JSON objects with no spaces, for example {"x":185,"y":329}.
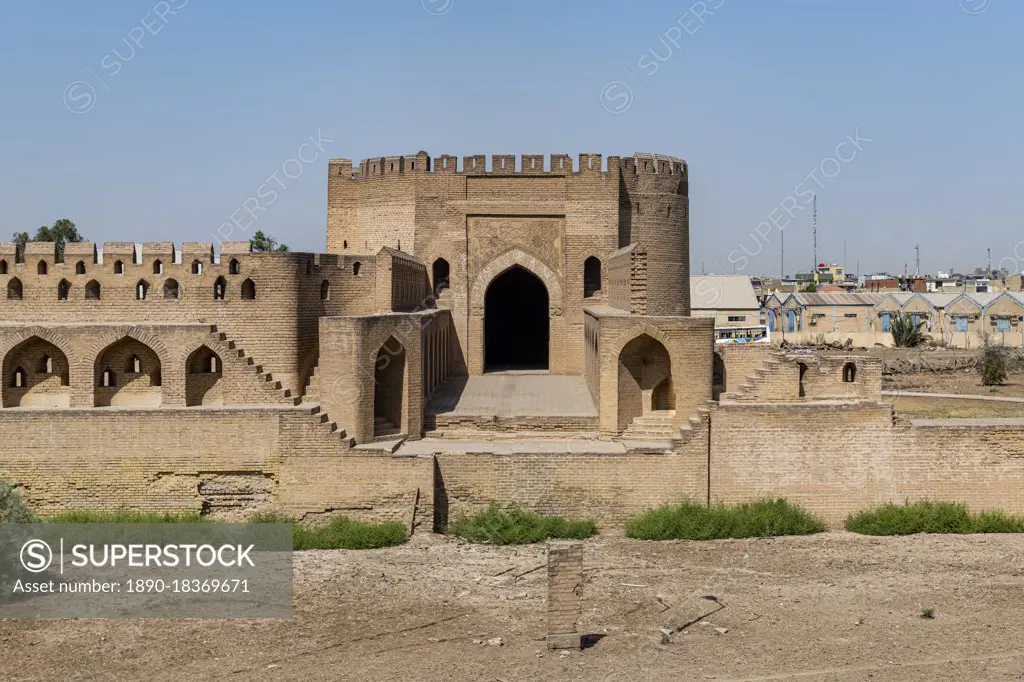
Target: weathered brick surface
{"x":608,"y":488}
{"x":229,"y":461}
{"x":836,"y":459}
{"x":546,"y":221}
{"x":565,"y":593}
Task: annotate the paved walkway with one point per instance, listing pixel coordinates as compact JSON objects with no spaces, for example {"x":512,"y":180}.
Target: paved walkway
{"x":913,"y":394}
{"x":513,"y":395}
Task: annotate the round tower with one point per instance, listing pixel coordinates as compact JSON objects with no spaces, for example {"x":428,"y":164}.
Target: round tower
{"x":656,"y":200}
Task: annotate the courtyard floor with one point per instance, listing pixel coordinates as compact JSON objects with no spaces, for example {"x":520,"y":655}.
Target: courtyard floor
{"x":514,"y":394}
{"x":834,"y":606}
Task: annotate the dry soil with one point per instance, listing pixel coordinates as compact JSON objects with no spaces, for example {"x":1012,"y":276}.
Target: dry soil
{"x":836,"y":606}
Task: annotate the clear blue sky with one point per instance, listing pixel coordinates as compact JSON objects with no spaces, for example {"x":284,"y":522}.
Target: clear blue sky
{"x":755,"y":97}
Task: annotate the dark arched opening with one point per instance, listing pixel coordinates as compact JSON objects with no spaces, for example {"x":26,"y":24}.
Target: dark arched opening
{"x":718,"y":378}
{"x":516,"y":324}
{"x":389,"y":389}
{"x":803,"y":372}
{"x":849,"y":373}
{"x":219,"y":288}
{"x":441,"y":272}
{"x":591,"y":277}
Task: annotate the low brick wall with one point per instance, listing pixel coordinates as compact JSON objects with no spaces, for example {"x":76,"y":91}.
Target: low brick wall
{"x":836,"y":459}
{"x":606,"y":488}
{"x":232,"y":462}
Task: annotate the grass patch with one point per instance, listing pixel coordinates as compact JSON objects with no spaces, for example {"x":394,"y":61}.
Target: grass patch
{"x":695,"y":521}
{"x":931,"y":517}
{"x":513,"y":525}
{"x":126,"y":516}
{"x":340,"y":533}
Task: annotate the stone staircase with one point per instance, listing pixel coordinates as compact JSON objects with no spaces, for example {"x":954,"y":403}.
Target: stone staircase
{"x":282,"y":395}
{"x":384,"y":428}
{"x":654,"y":432}
{"x":755,"y":384}
{"x":653,"y":426}
{"x":312,"y":393}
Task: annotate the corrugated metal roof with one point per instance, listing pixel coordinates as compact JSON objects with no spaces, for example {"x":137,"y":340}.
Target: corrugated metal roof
{"x":829,"y":298}
{"x":722,"y":292}
{"x":935,"y":300}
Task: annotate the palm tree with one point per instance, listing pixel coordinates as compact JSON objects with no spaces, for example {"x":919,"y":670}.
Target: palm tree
{"x":905,"y":332}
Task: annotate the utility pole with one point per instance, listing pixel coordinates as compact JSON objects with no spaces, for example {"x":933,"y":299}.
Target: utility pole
{"x":917,"y":260}
{"x":814,"y":237}
{"x":782,"y":265}
{"x":989,"y":274}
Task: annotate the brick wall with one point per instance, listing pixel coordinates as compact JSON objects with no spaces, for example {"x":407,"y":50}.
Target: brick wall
{"x":837,"y":459}
{"x":553,"y":219}
{"x":606,"y":488}
{"x":278,"y":326}
{"x":230,"y":461}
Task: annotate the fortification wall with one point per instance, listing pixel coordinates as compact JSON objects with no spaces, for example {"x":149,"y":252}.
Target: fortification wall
{"x":175,"y":459}
{"x":604,"y":487}
{"x":267,"y":302}
{"x":473,"y":216}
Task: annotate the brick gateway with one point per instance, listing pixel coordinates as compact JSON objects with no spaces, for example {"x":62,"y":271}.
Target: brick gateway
{"x":186,"y":377}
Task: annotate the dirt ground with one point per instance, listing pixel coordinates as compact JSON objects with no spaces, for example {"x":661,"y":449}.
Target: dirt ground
{"x":953,"y":408}
{"x":835,"y":606}
{"x":965,"y":382}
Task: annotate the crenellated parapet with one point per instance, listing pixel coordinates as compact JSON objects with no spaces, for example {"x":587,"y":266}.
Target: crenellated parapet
{"x":508,"y":164}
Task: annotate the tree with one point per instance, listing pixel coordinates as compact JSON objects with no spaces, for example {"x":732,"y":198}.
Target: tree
{"x":266,"y":243}
{"x":905,"y":332}
{"x":63,"y":231}
{"x":810,"y":288}
{"x":992,"y":366}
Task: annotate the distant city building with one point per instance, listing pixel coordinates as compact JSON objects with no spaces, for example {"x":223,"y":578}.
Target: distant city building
{"x":730,"y":299}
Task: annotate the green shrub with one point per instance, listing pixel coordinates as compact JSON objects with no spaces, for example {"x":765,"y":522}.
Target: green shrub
{"x":127,"y":516}
{"x":696,"y":521}
{"x":992,"y":366}
{"x":339,"y":533}
{"x":12,"y":509}
{"x":930,"y":517}
{"x":514,"y":525}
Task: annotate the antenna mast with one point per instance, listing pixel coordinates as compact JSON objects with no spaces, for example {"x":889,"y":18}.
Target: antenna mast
{"x":814,"y":233}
